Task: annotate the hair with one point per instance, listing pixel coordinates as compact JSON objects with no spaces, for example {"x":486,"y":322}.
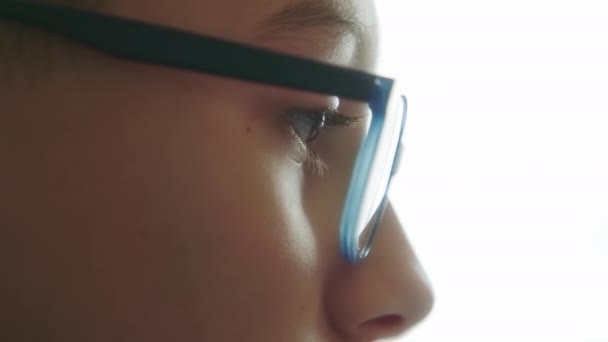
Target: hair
{"x":33,"y":51}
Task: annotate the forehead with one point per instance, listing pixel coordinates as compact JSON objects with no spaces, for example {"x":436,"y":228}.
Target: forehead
{"x":295,"y":25}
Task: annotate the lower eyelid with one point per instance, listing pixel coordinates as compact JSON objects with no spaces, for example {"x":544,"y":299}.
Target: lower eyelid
{"x":298,"y":150}
{"x":315,"y":164}
{"x":307,"y":155}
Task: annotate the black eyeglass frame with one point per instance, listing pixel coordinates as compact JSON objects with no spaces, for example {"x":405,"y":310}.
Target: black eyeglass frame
{"x":151,"y":43}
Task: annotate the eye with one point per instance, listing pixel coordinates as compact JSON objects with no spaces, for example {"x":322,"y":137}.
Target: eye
{"x":307,"y":125}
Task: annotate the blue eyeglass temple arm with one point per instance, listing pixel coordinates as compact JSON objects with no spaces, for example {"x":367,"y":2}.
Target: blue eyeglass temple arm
{"x":150,"y":43}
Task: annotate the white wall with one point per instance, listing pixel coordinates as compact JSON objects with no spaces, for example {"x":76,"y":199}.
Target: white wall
{"x":504,"y":185}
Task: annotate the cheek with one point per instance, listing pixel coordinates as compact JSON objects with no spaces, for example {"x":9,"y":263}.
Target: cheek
{"x":247,"y":240}
{"x":251,"y":193}
{"x":186,"y":221}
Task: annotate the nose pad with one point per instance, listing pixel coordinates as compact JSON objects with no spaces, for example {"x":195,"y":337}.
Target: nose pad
{"x":398,"y":157}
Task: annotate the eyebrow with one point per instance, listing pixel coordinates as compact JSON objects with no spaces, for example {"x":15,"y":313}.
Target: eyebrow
{"x":333,"y":17}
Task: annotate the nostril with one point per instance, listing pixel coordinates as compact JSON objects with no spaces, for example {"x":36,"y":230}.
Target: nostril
{"x":389,"y":320}
{"x":385,"y":323}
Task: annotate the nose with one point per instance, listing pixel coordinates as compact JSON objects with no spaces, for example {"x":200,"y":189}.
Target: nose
{"x":386,"y":294}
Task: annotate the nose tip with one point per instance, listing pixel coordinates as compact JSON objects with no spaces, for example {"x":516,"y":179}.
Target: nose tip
{"x":413,"y":308}
{"x":386,"y":294}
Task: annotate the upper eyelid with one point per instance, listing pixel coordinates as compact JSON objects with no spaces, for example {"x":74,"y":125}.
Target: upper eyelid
{"x":333,"y":117}
{"x":333,"y":110}
{"x":311,"y":109}
{"x":340,"y":118}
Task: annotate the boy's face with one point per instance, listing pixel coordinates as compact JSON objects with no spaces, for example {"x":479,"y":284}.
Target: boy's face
{"x":150,"y":204}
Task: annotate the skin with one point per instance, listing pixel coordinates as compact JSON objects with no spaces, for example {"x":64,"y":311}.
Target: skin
{"x":143,"y":203}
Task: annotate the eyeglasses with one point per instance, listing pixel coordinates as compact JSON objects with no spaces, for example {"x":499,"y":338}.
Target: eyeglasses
{"x":378,"y":154}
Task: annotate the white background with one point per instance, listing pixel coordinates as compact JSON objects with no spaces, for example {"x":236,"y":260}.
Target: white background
{"x":503,"y":188}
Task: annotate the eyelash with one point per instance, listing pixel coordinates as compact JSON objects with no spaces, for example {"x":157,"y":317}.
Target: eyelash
{"x":321,"y":120}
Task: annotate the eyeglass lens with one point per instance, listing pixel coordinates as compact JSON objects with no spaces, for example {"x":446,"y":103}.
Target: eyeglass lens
{"x":380,"y":173}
